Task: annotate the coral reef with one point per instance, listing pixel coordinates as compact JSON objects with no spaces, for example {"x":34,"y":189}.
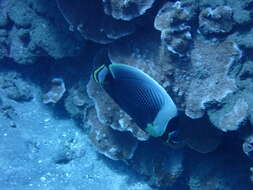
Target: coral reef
{"x":232,"y":120}
{"x":208,"y":84}
{"x":174,"y":20}
{"x":31,"y":35}
{"x":241,"y":9}
{"x":93,"y":24}
{"x":113,"y":144}
{"x":126,"y":10}
{"x":199,"y":51}
{"x":216,"y":21}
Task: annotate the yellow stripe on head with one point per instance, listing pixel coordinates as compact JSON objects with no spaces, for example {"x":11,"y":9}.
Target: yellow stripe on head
{"x":96,"y":72}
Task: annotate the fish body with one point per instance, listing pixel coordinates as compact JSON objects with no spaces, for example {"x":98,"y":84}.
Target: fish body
{"x":139,"y":95}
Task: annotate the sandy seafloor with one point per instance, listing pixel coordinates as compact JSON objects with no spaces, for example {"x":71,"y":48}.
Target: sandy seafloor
{"x":32,"y":155}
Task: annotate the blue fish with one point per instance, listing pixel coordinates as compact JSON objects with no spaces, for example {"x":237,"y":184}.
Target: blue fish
{"x":139,"y":95}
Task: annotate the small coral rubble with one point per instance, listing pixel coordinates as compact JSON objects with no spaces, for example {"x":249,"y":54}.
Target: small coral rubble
{"x":56,"y":92}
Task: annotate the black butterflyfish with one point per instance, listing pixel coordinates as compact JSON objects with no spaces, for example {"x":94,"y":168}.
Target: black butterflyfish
{"x":139,"y":95}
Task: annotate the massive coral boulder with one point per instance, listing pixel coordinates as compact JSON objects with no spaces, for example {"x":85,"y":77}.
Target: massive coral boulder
{"x":207,"y":81}
{"x":126,"y":10}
